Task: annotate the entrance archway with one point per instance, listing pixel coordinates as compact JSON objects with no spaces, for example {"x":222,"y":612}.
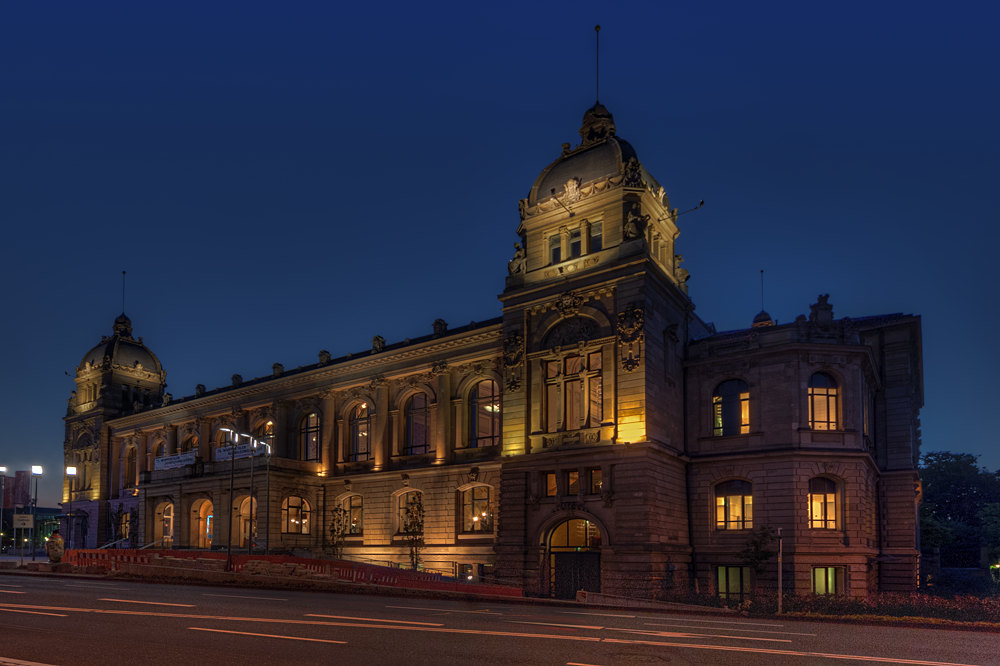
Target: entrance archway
{"x":247,"y":522}
{"x":574,"y":553}
{"x":163,"y":524}
{"x":202,"y":524}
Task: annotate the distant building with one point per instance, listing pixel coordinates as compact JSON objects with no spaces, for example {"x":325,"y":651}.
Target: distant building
{"x":598,"y":435}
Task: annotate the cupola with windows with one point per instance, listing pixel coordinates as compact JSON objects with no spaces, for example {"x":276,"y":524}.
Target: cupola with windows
{"x":119,"y":374}
{"x":593,"y":204}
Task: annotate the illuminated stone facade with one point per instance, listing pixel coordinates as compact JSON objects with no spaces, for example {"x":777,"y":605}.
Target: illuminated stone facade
{"x":598,"y":435}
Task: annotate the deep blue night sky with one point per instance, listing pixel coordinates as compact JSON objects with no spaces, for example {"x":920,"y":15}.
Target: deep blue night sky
{"x":280,"y":179}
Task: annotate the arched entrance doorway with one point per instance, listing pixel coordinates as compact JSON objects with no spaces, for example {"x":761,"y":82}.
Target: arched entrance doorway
{"x":202,"y":524}
{"x":163,"y":525}
{"x":247,"y":522}
{"x":574,"y":549}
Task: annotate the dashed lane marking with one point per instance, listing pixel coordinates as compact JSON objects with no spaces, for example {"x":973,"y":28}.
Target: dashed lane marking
{"x":241,"y":596}
{"x":249,"y":633}
{"x":746,"y":631}
{"x":374,"y":619}
{"x":148,"y":603}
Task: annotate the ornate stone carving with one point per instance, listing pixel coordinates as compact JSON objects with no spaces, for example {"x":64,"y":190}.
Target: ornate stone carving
{"x":439,"y":368}
{"x":569,"y":304}
{"x":572,"y":331}
{"x":513,"y":350}
{"x":632,"y":172}
{"x":572,"y":189}
{"x":635,"y":221}
{"x":631,"y":335}
{"x":440,"y":327}
{"x":376,"y":382}
{"x":277,"y":369}
{"x":516,"y":265}
{"x":378,"y":344}
{"x":199,"y":390}
{"x":474,"y":475}
{"x":324,"y":357}
{"x":237,"y":380}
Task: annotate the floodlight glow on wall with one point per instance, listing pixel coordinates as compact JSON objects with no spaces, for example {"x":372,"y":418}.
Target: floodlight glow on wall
{"x":36,"y":470}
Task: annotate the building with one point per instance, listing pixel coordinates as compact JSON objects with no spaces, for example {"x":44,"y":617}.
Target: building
{"x":597,"y":435}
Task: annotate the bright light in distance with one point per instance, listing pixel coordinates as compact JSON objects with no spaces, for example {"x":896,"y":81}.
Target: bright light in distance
{"x":3,"y":470}
{"x":36,"y":470}
{"x":71,"y":471}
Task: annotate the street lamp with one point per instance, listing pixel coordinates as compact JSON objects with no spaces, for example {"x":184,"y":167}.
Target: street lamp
{"x":3,"y":488}
{"x":36,"y":471}
{"x":232,"y":476}
{"x":71,"y":473}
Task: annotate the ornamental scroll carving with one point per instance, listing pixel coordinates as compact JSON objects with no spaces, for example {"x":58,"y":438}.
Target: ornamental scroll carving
{"x":631,"y":335}
{"x":632,"y":173}
{"x":513,"y":361}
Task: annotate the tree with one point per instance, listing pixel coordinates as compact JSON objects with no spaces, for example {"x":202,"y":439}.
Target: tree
{"x":758,"y":550}
{"x":955,"y":513}
{"x":339,"y":528}
{"x":413,"y":527}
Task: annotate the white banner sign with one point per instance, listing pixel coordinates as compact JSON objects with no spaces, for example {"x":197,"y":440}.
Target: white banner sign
{"x":241,"y":450}
{"x":174,"y":462}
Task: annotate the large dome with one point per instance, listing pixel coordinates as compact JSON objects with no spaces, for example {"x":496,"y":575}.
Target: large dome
{"x":600,"y":155}
{"x":122,"y":349}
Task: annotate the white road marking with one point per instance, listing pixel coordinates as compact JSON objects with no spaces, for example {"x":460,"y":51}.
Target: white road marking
{"x":445,"y":610}
{"x":553,"y":624}
{"x":97,"y":586}
{"x":148,"y":603}
{"x":678,"y":634}
{"x":749,"y":631}
{"x":7,"y":661}
{"x":752,"y":624}
{"x":373,"y":619}
{"x":12,"y":610}
{"x":240,"y":596}
{"x":597,"y":614}
{"x":247,"y":633}
{"x":11,"y":592}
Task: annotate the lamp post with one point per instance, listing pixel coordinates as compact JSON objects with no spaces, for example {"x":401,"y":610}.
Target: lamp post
{"x":267,"y":505}
{"x":36,"y":471}
{"x":71,"y":474}
{"x":3,"y":495}
{"x":253,"y":509}
{"x":232,"y":476}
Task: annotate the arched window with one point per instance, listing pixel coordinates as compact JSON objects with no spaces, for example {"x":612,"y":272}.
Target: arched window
{"x":731,"y":408}
{"x":574,"y":392}
{"x":361,"y":428}
{"x":734,"y":505}
{"x":824,"y":510}
{"x":823,"y":395}
{"x":410,"y":513}
{"x":130,"y":469}
{"x":354,"y":508}
{"x":190,"y":443}
{"x":417,"y":425}
{"x":294,"y":516}
{"x":309,"y":437}
{"x":265,"y":433}
{"x":484,"y":414}
{"x":476,"y":510}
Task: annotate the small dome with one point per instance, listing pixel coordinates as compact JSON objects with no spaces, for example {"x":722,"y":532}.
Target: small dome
{"x":601,"y":154}
{"x":122,"y":349}
{"x":762,"y":319}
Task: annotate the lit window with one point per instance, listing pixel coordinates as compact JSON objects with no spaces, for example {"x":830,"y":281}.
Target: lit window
{"x":309,"y":437}
{"x":828,"y":580}
{"x":734,"y":505}
{"x":574,"y":393}
{"x":294,"y":516}
{"x":823,"y":394}
{"x":550,"y":484}
{"x":572,"y":483}
{"x":484,"y":414}
{"x":477,"y":514}
{"x":410,"y":513}
{"x":555,"y":248}
{"x":733,"y":583}
{"x":354,"y":508}
{"x":595,"y":237}
{"x":361,"y":427}
{"x":417,"y":425}
{"x":731,"y":408}
{"x":823,"y":513}
{"x":596,"y":482}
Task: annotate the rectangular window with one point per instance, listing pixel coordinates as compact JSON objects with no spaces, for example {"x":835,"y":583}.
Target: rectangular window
{"x":575,"y":244}
{"x":574,"y":398}
{"x":572,"y":483}
{"x":596,"y":402}
{"x":595,"y":236}
{"x":550,"y":484}
{"x":828,"y":580}
{"x":552,"y":407}
{"x":555,"y":248}
{"x":476,"y":516}
{"x":596,"y":482}
{"x":354,"y":505}
{"x":733,"y":583}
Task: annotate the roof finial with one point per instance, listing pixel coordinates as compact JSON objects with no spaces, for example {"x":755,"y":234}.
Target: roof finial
{"x":123,"y":292}
{"x":762,"y":289}
{"x":597,"y":64}
{"x":762,"y":318}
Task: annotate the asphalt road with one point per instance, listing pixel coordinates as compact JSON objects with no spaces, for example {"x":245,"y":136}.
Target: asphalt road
{"x":79,"y":621}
